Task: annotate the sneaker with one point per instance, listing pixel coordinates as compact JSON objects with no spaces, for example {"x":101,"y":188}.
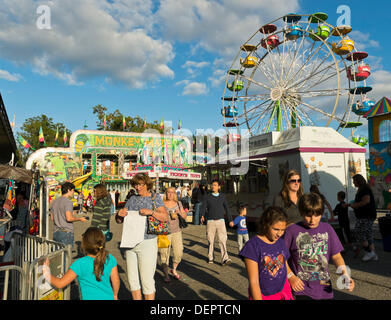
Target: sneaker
{"x":370,"y":256}
{"x":227,"y":262}
{"x":356,"y":251}
{"x":210,"y":261}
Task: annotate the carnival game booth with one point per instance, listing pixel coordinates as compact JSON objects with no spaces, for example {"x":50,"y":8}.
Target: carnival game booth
{"x":105,"y":156}
{"x":164,"y":175}
{"x":322,"y":156}
{"x":379,"y":131}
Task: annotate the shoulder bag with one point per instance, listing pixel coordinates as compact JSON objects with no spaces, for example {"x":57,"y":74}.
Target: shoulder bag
{"x":156,"y":226}
{"x":182,"y":222}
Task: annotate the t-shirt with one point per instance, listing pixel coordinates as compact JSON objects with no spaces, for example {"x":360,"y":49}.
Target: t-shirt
{"x":174,"y":223}
{"x":369,"y":210}
{"x":341,"y":212}
{"x":271,"y":259}
{"x":240,"y":221}
{"x":91,"y":289}
{"x":58,"y":207}
{"x":292,"y":211}
{"x":136,"y":203}
{"x":311,"y":250}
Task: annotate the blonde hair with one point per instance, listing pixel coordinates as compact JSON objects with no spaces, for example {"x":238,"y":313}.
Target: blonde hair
{"x":165,"y":198}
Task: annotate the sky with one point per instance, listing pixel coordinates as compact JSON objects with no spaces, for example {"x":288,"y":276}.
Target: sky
{"x":155,"y":59}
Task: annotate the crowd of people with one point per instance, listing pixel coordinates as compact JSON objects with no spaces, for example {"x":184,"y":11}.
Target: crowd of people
{"x":287,"y":259}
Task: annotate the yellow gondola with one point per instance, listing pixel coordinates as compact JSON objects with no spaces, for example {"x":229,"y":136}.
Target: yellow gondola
{"x":343,"y":47}
{"x":249,"y":62}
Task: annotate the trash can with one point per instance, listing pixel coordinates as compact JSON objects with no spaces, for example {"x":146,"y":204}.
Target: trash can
{"x":385,"y":231}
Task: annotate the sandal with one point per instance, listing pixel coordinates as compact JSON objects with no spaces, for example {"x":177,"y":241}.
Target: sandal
{"x":176,"y":276}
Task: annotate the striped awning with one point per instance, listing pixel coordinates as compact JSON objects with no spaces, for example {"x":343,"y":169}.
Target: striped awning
{"x":383,"y":106}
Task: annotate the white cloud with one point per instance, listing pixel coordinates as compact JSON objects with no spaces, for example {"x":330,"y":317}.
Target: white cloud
{"x":129,"y":41}
{"x":363,"y":40}
{"x":193,"y":67}
{"x":4,"y":74}
{"x":381,"y":84}
{"x":87,"y":39}
{"x":192,"y":88}
{"x":218,"y":26}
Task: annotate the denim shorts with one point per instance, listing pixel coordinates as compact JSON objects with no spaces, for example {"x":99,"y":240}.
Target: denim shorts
{"x":63,"y":237}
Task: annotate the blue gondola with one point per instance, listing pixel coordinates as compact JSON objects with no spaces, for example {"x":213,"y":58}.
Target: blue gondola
{"x":229,"y":112}
{"x":361,"y":109}
{"x":294,"y":33}
{"x":360,"y":90}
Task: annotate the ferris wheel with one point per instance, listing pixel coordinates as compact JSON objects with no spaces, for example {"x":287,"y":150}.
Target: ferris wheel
{"x":297,"y":70}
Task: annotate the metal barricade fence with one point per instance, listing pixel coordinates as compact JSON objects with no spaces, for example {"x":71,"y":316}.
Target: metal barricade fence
{"x":4,"y":281}
{"x":38,"y":289}
{"x":26,"y":250}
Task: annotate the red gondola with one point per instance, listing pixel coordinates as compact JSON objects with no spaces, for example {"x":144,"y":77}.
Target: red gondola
{"x":230,"y":124}
{"x":271,"y":42}
{"x":268,"y":29}
{"x":362,"y":73}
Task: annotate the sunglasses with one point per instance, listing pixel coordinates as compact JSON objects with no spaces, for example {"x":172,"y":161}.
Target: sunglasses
{"x":295,"y":181}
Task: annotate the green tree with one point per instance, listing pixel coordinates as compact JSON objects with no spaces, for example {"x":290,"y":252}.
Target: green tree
{"x":30,"y":132}
{"x":114,"y":121}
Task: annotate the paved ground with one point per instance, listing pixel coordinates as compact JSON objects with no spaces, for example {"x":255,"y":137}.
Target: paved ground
{"x":203,"y":281}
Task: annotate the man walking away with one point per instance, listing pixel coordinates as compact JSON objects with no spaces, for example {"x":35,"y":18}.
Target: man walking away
{"x":62,"y":215}
{"x":216,"y":205}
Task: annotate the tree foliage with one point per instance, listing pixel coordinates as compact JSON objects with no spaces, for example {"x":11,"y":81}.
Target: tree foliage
{"x":114,"y":121}
{"x":30,"y":132}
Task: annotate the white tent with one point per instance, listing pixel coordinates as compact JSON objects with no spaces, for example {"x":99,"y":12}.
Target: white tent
{"x":321,"y":155}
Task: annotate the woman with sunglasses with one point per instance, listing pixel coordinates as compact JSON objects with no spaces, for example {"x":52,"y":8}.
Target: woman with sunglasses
{"x":141,"y":260}
{"x":289,"y":196}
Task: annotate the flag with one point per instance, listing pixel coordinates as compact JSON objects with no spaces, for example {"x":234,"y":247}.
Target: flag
{"x":41,"y":137}
{"x":56,"y":138}
{"x":179,"y":124}
{"x":13,"y":123}
{"x":104,"y":123}
{"x":65,"y":137}
{"x":24,"y":143}
{"x":145,"y":123}
{"x":123,"y":122}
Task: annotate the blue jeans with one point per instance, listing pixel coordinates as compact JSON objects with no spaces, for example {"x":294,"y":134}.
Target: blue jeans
{"x":63,"y":237}
{"x":196,"y":216}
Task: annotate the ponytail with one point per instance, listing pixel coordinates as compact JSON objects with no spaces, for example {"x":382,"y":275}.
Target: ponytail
{"x":93,"y":242}
{"x":99,"y":262}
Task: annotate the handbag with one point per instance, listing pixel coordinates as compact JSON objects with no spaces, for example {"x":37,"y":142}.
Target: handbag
{"x":156,"y":226}
{"x":163,"y":241}
{"x":182,"y":222}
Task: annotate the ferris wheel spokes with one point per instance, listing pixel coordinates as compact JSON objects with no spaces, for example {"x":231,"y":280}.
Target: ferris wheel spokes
{"x":310,"y":76}
{"x":309,"y":57}
{"x":318,"y":110}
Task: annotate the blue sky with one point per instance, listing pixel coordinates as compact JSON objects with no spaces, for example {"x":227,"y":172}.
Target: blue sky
{"x":156,"y":59}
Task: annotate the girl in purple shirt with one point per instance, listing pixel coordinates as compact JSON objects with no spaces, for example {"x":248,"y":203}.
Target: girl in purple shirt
{"x":265,"y":257}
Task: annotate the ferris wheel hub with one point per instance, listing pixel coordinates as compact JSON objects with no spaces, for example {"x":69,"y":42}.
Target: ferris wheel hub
{"x":276,"y":94}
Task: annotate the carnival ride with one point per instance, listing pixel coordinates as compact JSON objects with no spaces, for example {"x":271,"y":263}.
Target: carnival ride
{"x":294,"y":71}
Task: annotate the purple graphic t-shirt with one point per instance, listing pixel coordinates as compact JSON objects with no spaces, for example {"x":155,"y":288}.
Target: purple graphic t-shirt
{"x":311,"y":250}
{"x":271,"y":259}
